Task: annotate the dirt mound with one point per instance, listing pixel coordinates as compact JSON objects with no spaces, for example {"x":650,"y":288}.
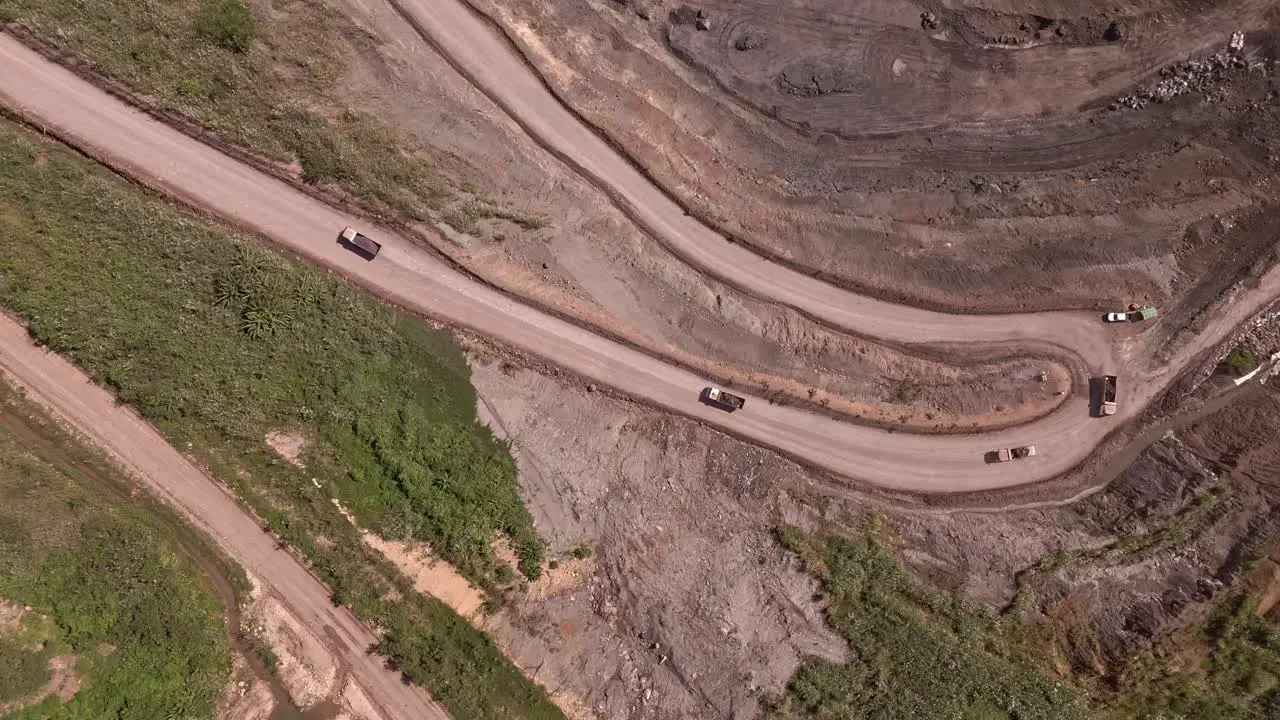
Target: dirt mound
{"x":980,"y":26}
{"x":924,"y":164}
{"x":688,"y":607}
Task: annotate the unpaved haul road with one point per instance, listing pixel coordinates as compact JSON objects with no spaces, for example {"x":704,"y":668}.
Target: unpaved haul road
{"x":47,"y":94}
{"x":57,"y":385}
{"x":485,"y":58}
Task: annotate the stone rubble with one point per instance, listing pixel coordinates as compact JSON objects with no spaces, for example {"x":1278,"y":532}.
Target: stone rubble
{"x":1206,"y":76}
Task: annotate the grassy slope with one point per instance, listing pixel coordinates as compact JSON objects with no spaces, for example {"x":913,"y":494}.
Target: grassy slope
{"x":112,"y":578}
{"x":923,"y":654}
{"x":269,"y":83}
{"x":1239,"y":679}
{"x":219,"y":342}
{"x":277,"y":98}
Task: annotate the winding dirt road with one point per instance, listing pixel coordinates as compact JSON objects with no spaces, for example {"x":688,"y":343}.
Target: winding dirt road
{"x":59,"y":386}
{"x":484,"y":57}
{"x":137,"y":145}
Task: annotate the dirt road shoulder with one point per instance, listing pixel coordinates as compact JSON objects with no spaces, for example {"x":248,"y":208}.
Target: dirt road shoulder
{"x":55,"y":384}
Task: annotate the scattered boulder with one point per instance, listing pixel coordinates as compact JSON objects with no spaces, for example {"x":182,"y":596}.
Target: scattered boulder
{"x":1208,"y":76}
{"x":702,"y":22}
{"x":750,"y":40}
{"x":928,"y":21}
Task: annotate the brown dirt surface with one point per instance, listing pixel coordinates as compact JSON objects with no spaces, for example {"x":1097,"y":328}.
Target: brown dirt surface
{"x":1149,"y":555}
{"x":591,"y":260}
{"x":1263,"y":583}
{"x":246,"y":697}
{"x":145,"y":455}
{"x":10,"y":615}
{"x":307,"y":669}
{"x":686,"y":607}
{"x":289,"y":446}
{"x":430,"y":574}
{"x":973,"y":166}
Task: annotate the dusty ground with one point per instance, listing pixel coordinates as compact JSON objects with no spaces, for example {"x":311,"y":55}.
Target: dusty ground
{"x":64,"y":681}
{"x":974,"y":165}
{"x":687,"y":607}
{"x":1147,"y":556}
{"x":590,"y":260}
{"x":248,"y":696}
{"x":307,"y":683}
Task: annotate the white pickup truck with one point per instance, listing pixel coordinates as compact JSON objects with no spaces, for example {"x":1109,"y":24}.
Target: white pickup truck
{"x":1007,"y":454}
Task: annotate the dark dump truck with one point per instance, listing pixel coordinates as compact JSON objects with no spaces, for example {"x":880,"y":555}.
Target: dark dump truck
{"x":723,"y":400}
{"x":1108,"y":403}
{"x":360,"y":244}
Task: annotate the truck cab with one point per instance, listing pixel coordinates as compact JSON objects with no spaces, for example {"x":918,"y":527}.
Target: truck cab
{"x":1103,"y":394}
{"x":723,"y":400}
{"x":360,"y":244}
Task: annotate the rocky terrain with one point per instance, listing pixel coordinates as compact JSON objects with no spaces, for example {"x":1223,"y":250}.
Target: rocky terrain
{"x":686,"y":607}
{"x":977,"y":158}
{"x":562,"y":242}
{"x":975,"y":165}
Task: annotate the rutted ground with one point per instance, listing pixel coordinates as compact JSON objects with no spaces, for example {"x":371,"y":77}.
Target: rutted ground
{"x":543,"y":232}
{"x":1035,"y":206}
{"x":687,"y":606}
{"x":107,"y":599}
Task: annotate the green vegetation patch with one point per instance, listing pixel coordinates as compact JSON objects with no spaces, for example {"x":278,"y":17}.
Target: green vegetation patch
{"x":220,"y":342}
{"x":107,"y":584}
{"x":1238,"y":679}
{"x":229,"y":23}
{"x":1239,"y":362}
{"x":915,"y":653}
{"x":270,"y":87}
{"x":26,"y":668}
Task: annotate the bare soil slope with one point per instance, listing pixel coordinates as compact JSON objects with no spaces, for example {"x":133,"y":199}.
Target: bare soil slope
{"x":686,"y":606}
{"x":563,"y":242}
{"x":970,"y":164}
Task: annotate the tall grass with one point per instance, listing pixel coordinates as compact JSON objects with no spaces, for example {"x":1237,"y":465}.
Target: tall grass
{"x":219,"y":341}
{"x":917,"y":653}
{"x":116,"y":588}
{"x":269,"y":86}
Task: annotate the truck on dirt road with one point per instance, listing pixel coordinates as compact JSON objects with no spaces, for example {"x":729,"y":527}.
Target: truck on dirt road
{"x":1007,"y":454}
{"x":1107,"y":406}
{"x":360,"y":243}
{"x":1133,"y":314}
{"x":723,"y":400}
